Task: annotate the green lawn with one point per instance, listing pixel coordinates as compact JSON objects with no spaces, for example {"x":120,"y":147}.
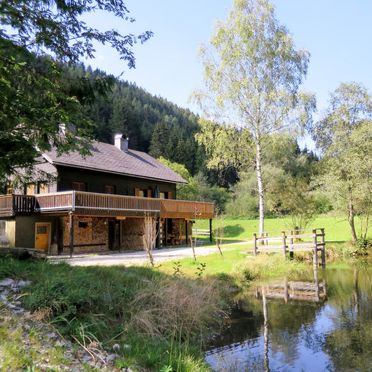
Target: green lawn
{"x":235,"y":258}
{"x":336,"y":228}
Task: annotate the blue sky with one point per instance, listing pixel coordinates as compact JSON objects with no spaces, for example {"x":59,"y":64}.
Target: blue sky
{"x":338,"y":35}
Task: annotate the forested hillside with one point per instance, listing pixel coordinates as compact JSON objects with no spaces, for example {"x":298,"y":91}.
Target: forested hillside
{"x":168,"y":132}
{"x":152,"y":123}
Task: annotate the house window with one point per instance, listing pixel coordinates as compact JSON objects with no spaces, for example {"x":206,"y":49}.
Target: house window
{"x":2,"y":228}
{"x":79,"y":186}
{"x":9,"y":189}
{"x":43,"y":188}
{"x":83,"y":225}
{"x":141,"y":193}
{"x":144,"y":193}
{"x":30,"y":189}
{"x":110,"y":189}
{"x":166,"y":195}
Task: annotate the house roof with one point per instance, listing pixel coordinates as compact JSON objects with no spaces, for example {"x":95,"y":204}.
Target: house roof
{"x":108,"y":158}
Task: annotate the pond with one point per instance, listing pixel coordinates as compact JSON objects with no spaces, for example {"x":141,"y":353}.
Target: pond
{"x":320,"y":322}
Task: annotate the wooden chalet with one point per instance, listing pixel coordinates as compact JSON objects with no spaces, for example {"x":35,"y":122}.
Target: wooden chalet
{"x":98,"y":203}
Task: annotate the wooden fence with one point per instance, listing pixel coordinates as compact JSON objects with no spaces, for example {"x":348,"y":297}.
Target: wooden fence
{"x":292,"y":241}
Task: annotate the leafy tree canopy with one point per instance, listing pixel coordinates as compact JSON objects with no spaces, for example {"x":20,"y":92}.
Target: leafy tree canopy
{"x":35,"y":38}
{"x":344,"y":134}
{"x":252,"y":74}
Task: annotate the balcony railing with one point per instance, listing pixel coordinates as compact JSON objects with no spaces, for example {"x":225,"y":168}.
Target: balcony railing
{"x":171,"y":208}
{"x":11,"y":205}
{"x":87,"y":203}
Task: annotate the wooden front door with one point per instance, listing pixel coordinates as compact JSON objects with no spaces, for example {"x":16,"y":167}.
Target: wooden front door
{"x":42,"y":235}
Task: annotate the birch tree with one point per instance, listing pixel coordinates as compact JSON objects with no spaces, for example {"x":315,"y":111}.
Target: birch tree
{"x":252,"y":75}
{"x":344,"y":135}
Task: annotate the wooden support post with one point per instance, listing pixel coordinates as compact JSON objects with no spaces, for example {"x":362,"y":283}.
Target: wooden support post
{"x":210,"y":230}
{"x":165,"y":231}
{"x":266,"y":332}
{"x":71,"y":232}
{"x":323,"y":247}
{"x":284,"y":244}
{"x":286,"y":294}
{"x":291,"y":253}
{"x":316,"y":282}
{"x":255,"y":244}
{"x":158,"y":226}
{"x":187,"y":231}
{"x":315,"y":249}
{"x":193,"y":248}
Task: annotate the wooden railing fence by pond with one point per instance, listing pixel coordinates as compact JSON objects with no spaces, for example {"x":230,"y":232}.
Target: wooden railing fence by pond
{"x":294,"y":290}
{"x":291,"y":242}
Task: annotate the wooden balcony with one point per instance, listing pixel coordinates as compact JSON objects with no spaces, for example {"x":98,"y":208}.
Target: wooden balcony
{"x":94,"y":204}
{"x":12,"y":204}
{"x":170,"y":208}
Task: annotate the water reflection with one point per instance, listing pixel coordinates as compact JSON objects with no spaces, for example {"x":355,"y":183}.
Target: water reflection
{"x":311,"y":325}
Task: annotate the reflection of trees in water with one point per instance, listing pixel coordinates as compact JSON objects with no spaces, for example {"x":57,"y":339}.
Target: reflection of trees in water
{"x":283,"y":327}
{"x":350,"y":344}
{"x":286,"y":326}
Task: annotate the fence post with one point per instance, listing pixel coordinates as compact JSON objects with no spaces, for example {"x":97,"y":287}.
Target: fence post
{"x":315,"y":248}
{"x":323,"y":247}
{"x":255,"y":244}
{"x":210,"y":231}
{"x":284,"y":243}
{"x":291,"y":253}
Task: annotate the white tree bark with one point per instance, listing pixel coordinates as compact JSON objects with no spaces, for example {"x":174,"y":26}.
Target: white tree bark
{"x":260,"y":188}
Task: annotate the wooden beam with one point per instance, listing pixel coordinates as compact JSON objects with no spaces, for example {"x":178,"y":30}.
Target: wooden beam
{"x":71,"y":232}
{"x":210,"y":230}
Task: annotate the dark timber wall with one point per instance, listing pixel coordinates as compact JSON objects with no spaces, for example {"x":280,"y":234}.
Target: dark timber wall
{"x":96,"y":182}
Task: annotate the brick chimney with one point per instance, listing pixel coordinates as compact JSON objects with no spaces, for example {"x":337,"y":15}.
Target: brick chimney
{"x":121,"y":142}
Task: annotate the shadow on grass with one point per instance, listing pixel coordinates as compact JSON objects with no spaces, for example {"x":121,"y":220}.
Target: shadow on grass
{"x":233,"y":230}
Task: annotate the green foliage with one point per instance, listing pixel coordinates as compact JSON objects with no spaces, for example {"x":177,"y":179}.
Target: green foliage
{"x":344,"y":134}
{"x":244,"y":201}
{"x":252,"y":75}
{"x":225,"y":146}
{"x":197,"y":188}
{"x":100,"y":303}
{"x":35,"y":38}
{"x":287,"y":173}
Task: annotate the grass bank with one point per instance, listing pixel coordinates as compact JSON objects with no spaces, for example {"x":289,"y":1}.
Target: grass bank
{"x":337,"y":228}
{"x":156,"y":321}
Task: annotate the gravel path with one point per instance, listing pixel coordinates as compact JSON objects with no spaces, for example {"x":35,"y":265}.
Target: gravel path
{"x":133,"y":258}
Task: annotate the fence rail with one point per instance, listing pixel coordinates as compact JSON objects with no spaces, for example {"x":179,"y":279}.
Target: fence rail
{"x":292,"y":242}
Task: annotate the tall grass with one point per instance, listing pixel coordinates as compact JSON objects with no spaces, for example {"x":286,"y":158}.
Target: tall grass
{"x":158,"y":320}
{"x":179,"y":308}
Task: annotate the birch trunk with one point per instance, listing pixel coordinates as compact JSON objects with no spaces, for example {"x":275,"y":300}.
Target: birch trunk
{"x":351,"y":221}
{"x":260,"y":187}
